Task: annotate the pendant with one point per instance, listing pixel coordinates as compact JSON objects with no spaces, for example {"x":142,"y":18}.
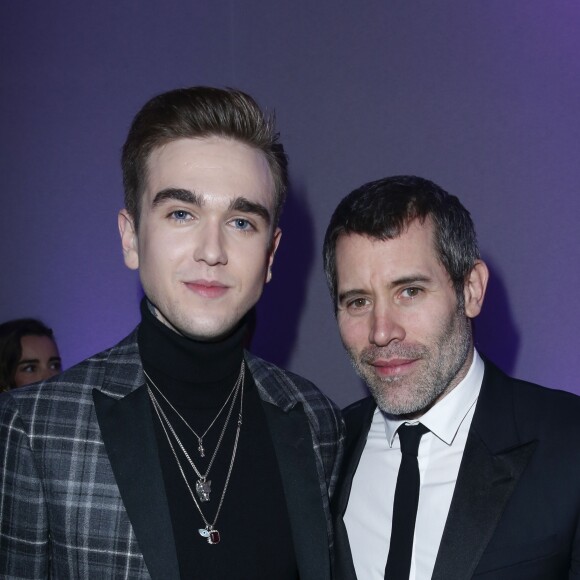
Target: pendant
{"x":200,"y":448}
{"x":212,"y":536}
{"x":203,"y":488}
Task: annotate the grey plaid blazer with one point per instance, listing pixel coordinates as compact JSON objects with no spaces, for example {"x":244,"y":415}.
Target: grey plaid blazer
{"x":82,"y":490}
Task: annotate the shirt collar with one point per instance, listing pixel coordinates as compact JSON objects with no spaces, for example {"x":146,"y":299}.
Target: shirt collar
{"x":446,"y":416}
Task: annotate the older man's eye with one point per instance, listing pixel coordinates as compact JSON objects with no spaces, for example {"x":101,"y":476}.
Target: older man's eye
{"x":411,"y":292}
{"x":358,"y":303}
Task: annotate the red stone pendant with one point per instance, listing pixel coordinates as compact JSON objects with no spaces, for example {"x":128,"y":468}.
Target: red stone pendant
{"x":212,"y":536}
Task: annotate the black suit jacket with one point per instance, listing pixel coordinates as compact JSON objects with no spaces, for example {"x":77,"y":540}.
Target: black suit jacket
{"x":515,"y":512}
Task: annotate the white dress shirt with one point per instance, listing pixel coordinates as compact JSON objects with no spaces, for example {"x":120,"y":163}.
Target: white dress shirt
{"x":370,"y":507}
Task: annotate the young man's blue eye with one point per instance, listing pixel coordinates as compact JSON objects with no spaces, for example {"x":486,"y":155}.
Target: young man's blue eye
{"x":242,"y":224}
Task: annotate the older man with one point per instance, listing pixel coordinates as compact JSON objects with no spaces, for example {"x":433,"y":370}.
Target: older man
{"x":452,"y":469}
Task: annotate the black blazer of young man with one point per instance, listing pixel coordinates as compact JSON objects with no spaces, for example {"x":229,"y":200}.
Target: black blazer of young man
{"x":515,"y":512}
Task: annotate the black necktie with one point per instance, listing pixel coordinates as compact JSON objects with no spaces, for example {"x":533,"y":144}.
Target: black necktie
{"x":405,"y":504}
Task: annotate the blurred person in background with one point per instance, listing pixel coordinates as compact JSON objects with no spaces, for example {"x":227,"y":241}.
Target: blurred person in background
{"x":28,"y":353}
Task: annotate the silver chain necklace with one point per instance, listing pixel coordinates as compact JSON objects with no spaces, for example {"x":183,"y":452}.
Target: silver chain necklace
{"x":202,"y":485}
{"x":199,"y":438}
{"x":209,"y":532}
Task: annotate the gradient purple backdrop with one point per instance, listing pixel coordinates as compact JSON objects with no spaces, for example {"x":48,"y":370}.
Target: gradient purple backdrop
{"x":481,"y":97}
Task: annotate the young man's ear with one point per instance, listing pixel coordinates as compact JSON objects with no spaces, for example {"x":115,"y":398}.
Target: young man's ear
{"x":474,"y":289}
{"x":273,"y":247}
{"x":128,"y":239}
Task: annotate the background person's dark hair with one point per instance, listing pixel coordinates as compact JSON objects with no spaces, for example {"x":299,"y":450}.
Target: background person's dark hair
{"x":11,"y":347}
{"x":383,"y":209}
{"x":199,"y":112}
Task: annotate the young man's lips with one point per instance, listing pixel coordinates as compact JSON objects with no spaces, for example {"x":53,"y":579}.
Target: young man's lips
{"x":394,"y":366}
{"x":207,"y":288}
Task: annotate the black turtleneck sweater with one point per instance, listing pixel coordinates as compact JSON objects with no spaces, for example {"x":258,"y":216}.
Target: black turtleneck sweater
{"x":197,"y":377}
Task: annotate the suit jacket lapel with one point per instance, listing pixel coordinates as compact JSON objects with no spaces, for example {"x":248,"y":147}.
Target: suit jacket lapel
{"x":127,"y":430}
{"x":293,"y":445}
{"x":493,"y":461}
{"x":358,"y":421}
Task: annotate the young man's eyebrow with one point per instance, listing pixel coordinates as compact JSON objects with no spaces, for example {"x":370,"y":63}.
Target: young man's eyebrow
{"x":186,"y":196}
{"x":176,"y":194}
{"x":245,"y":205}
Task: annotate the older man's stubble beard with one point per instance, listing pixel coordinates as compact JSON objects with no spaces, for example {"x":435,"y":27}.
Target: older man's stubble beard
{"x":441,"y":368}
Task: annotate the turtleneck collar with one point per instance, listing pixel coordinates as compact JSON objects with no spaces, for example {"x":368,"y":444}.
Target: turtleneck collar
{"x":184,"y":359}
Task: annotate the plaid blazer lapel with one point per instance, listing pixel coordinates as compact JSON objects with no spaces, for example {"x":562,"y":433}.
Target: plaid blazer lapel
{"x":297,"y":463}
{"x":307,"y":433}
{"x":126,"y":426}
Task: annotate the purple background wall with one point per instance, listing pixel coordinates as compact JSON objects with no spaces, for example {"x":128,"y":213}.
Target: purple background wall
{"x":481,"y":97}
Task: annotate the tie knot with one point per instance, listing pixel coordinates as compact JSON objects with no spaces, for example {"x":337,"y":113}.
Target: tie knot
{"x":410,"y":436}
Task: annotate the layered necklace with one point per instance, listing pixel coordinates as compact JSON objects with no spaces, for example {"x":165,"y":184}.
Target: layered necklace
{"x":200,"y":447}
{"x":202,"y":484}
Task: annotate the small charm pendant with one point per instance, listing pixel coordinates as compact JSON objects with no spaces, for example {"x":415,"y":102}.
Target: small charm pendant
{"x":212,"y":536}
{"x":200,"y":448}
{"x":203,"y":488}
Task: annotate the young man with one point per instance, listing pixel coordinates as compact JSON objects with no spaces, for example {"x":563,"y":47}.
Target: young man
{"x":176,"y":454}
{"x":495,"y":489}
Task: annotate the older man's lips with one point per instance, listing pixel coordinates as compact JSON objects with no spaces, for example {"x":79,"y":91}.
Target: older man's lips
{"x":207,"y":288}
{"x":394,"y":367}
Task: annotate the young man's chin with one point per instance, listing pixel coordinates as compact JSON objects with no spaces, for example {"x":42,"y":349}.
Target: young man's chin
{"x":210,"y":331}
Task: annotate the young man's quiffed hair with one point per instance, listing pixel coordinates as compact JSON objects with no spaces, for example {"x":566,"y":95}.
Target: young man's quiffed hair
{"x":199,"y":112}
